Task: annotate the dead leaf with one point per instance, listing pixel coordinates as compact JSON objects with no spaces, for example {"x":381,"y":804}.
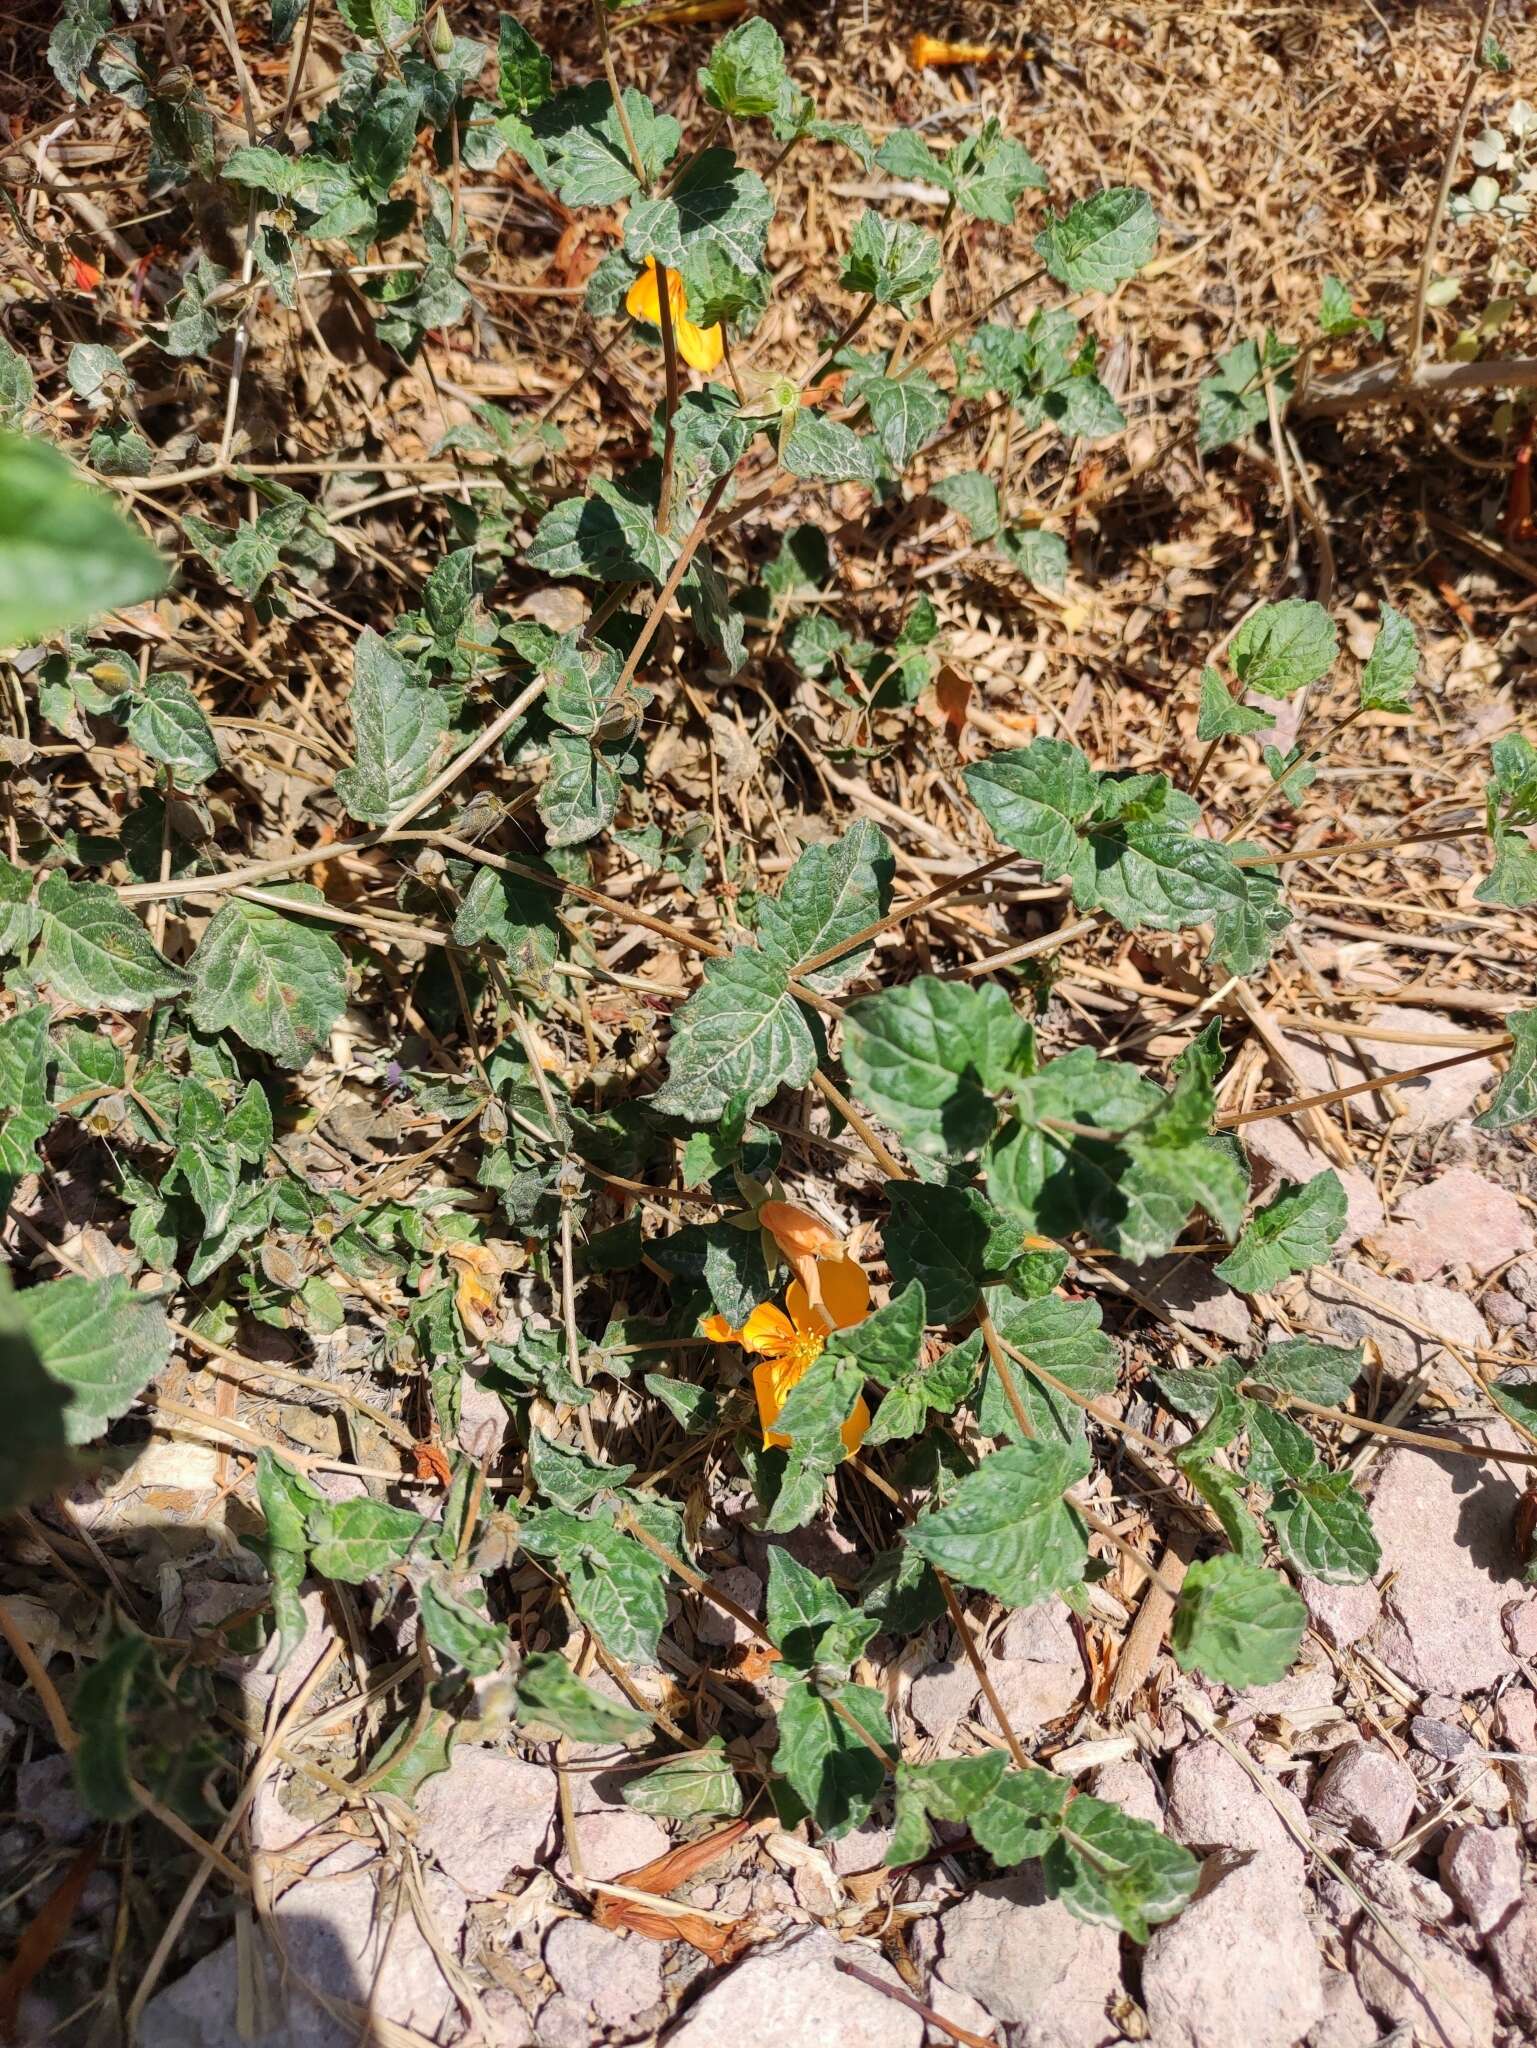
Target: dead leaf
{"x":682,"y":1865}
{"x":479,"y":1271}
{"x":952,"y":693}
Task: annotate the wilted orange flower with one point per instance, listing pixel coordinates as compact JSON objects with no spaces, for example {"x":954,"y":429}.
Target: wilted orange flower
{"x":790,"y":1340}
{"x":700,"y":347}
{"x":925,"y":50}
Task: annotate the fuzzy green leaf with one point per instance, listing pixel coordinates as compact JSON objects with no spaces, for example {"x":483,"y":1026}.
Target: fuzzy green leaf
{"x":1296,"y":1229}
{"x":833,"y":891}
{"x":929,"y":1057}
{"x":1100,"y":242}
{"x":905,"y":413}
{"x":353,"y":1540}
{"x":699,"y":1785}
{"x":746,"y":72}
{"x":828,"y":452}
{"x":1237,"y":1622}
{"x":1314,"y":1372}
{"x":740,"y":1034}
{"x":892,"y":261}
{"x":1281,"y":648}
{"x":831,"y":1770}
{"x":1108,"y":1866}
{"x":990,"y":173}
{"x":515,"y":915}
{"x":279,"y":984}
{"x":399,"y":723}
{"x":93,"y":952}
{"x":25,"y":1111}
{"x":975,"y":497}
{"x":100,"y":1341}
{"x":170,"y":725}
{"x":1224,"y":716}
{"x":549,"y":1695}
{"x":1387,"y":680}
{"x":717,"y":202}
{"x":1515,"y":1099}
{"x":522,"y":69}
{"x":950,"y":1239}
{"x":1007,"y":1528}
{"x":1039,"y":556}
{"x":1037,"y":799}
{"x":66,"y":552}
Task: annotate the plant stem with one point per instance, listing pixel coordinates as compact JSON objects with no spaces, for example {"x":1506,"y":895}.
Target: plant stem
{"x":600,"y":14}
{"x":1443,"y":192}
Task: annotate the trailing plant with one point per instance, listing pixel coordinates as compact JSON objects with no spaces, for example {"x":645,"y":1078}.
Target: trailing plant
{"x":1009,"y":1170}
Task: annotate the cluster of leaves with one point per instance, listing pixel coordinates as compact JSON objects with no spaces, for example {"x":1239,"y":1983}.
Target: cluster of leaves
{"x":982,"y":1369}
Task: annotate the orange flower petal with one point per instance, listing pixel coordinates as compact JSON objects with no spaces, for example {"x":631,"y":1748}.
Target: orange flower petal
{"x":772,"y":1382}
{"x":767,"y":1331}
{"x":845,"y":1297}
{"x":643,"y":301}
{"x":853,"y":1431}
{"x":796,"y":1231}
{"x":700,"y":347}
{"x":719,"y":1331}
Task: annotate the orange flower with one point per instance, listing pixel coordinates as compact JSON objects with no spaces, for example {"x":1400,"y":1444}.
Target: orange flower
{"x":700,"y":347}
{"x":789,"y":1341}
{"x":926,"y":50}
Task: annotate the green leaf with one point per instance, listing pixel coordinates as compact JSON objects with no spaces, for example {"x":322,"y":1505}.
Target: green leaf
{"x":1222,"y":1492}
{"x":950,"y":1239}
{"x":1515,"y":1099}
{"x":990,"y":174}
{"x":893,"y":262}
{"x":1057,"y":1180}
{"x":287,"y":1501}
{"x":809,"y":1620}
{"x":580,"y":795}
{"x":1315,"y":1372}
{"x":1024,"y":1815}
{"x":205,"y":1156}
{"x":905,"y":412}
{"x":522,"y":69}
{"x":885,"y":1346}
{"x":1147,"y":871}
{"x":102,"y":1763}
{"x":699,"y":1785}
{"x":833,"y":891}
{"x":716,"y":203}
{"x":100,"y":1341}
{"x":549,"y":1695}
{"x":1036,"y":799}
{"x":1107,"y":1866}
{"x":192,"y":325}
{"x":974,"y":496}
{"x":930,"y":1056}
{"x":939,"y":1388}
{"x":515,"y":915}
{"x":1337,"y":315}
{"x":66,"y":553}
{"x":827,"y":451}
{"x":25,"y":1111}
{"x":1323,"y":1528}
{"x":18,"y":387}
{"x":1039,"y":556}
{"x":617,"y":1587}
{"x":830,"y":1769}
{"x":1296,"y":1229}
{"x":93,"y":952}
{"x":353,"y":1540}
{"x":73,"y":40}
{"x":1514,"y":1397}
{"x":277,"y":983}
{"x":1007,"y":1528}
{"x":399,"y":725}
{"x":1237,"y":1623}
{"x":1064,"y":1338}
{"x":1232,"y":401}
{"x":1100,"y":242}
{"x":170,"y":725}
{"x":1281,"y":648}
{"x":412,"y":1753}
{"x":740,"y":1034}
{"x":117,"y":449}
{"x":608,"y":537}
{"x":953,"y":1789}
{"x":459,"y":1629}
{"x":1243,"y":935}
{"x":746,"y":72}
{"x":1224,"y":716}
{"x":1388,"y":677}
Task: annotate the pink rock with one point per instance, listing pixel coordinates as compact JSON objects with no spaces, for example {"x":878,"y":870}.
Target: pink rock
{"x":863,"y":1848}
{"x":1513,"y":1945}
{"x":1032,"y":1965}
{"x":1341,"y":1614}
{"x":1239,"y":1965}
{"x":1037,"y":1668}
{"x":1428,"y":1103}
{"x":1368,"y":1794}
{"x":1422,"y":1985}
{"x":337,"y":1934}
{"x":1276,"y":1153}
{"x":1190,"y":1288}
{"x":962,"y":2010}
{"x":1481,"y":1868}
{"x":1132,"y":1787}
{"x":1520,"y":1618}
{"x":1390,"y":1311}
{"x":942,"y":1695}
{"x":613,"y":1839}
{"x":204,"y":2006}
{"x":1213,"y":1804}
{"x":715,"y":1625}
{"x":1458,"y":1219}
{"x":791,"y":1994}
{"x":618,"y":1976}
{"x":1345,"y":2023}
{"x":1444,"y":1524}
{"x":486,"y":1815}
